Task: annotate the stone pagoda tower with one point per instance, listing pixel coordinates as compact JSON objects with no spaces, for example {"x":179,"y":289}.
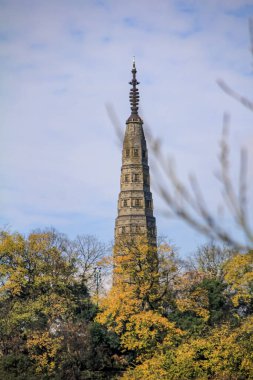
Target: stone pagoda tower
{"x":135,"y":204}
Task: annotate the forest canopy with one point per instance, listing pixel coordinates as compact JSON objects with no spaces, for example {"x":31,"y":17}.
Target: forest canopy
{"x":162,"y":318}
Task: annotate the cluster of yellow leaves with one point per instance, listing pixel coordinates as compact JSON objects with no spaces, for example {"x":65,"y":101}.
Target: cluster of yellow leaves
{"x":146,"y":330}
{"x":226,"y":353}
{"x":239,"y":275}
{"x":151,"y":369}
{"x":32,"y":260}
{"x":43,"y":349}
{"x":191,"y":296}
{"x":135,"y":284}
{"x":139,"y":330}
{"x":135,"y":260}
{"x":117,"y":307}
{"x":131,"y":308}
{"x":34,"y":277}
{"x":12,"y":273}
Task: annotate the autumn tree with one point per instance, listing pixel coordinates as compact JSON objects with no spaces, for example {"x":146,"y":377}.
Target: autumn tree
{"x":225,"y":353}
{"x":88,"y":252}
{"x":47,"y":325}
{"x":134,"y":308}
{"x":222,"y":348}
{"x":239,"y":277}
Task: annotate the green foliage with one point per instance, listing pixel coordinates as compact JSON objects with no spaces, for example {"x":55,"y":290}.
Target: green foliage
{"x":133,"y":309}
{"x":239,"y":277}
{"x":17,"y":366}
{"x":219,"y":303}
{"x":225,"y":353}
{"x":213,"y":309}
{"x":156,"y":322}
{"x":46,"y":313}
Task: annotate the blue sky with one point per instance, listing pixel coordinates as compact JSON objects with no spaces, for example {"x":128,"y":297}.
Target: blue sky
{"x":62,"y":61}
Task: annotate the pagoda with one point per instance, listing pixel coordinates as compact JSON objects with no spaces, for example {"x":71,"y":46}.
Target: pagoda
{"x":135,"y":203}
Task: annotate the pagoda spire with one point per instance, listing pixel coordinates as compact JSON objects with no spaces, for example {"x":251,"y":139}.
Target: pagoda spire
{"x":135,"y":204}
{"x":134,"y":95}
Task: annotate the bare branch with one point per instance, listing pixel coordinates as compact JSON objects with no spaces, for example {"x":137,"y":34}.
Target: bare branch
{"x":228,"y":90}
{"x":188,"y":203}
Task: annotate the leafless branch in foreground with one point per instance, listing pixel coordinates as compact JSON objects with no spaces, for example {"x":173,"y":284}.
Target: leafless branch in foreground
{"x":242,"y":99}
{"x":186,"y":201}
{"x":228,"y":90}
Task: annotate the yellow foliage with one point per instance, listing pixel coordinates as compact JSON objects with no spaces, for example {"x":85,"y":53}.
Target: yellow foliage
{"x":144,"y":332}
{"x":135,"y":284}
{"x":239,"y":275}
{"x":117,"y":308}
{"x":226,"y":353}
{"x":11,"y":270}
{"x":43,"y":348}
{"x":132,"y":308}
{"x":191,"y":296}
{"x":151,"y":369}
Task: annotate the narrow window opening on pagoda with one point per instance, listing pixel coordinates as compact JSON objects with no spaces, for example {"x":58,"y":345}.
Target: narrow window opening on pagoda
{"x":127,"y":152}
{"x":126,"y":177}
{"x":136,"y":177}
{"x":136,"y":152}
{"x":137,"y":202}
{"x":125,"y":203}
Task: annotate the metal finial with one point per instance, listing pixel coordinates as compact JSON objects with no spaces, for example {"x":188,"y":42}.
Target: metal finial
{"x":134,"y":92}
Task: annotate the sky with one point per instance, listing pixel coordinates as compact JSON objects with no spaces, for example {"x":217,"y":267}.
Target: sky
{"x":63,"y":61}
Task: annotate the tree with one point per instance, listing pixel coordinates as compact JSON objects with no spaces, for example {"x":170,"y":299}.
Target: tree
{"x":34,"y":296}
{"x":210,"y":259}
{"x":239,"y":277}
{"x":47,"y":327}
{"x":214,"y":315}
{"x":225,"y":353}
{"x":89,"y":252}
{"x":134,"y":308}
